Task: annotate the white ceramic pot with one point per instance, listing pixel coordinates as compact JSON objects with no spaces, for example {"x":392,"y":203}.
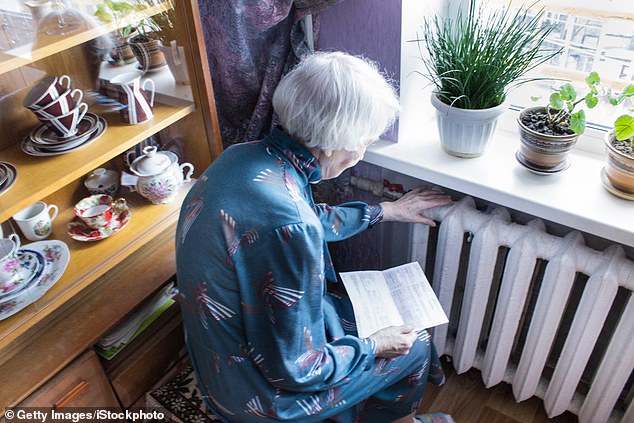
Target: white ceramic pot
{"x":159,"y":175}
{"x":465,"y":132}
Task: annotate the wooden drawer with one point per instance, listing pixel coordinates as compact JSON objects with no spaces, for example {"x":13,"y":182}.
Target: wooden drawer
{"x":82,"y":383}
{"x":142,"y":363}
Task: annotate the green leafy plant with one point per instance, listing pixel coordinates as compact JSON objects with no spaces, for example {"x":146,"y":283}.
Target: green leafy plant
{"x":115,"y":12}
{"x":562,"y":104}
{"x":112,"y":11}
{"x":475,"y":59}
{"x":624,"y":124}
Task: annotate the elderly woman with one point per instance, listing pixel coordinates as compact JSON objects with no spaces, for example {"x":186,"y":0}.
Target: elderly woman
{"x":266,"y":340}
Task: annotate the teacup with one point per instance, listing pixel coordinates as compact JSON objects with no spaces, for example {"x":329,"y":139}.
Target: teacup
{"x":47,"y":90}
{"x":11,"y":272}
{"x":66,"y":125}
{"x":62,"y":105}
{"x":96,"y":211}
{"x":36,"y":221}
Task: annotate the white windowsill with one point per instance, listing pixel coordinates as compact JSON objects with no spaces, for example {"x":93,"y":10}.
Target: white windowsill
{"x":575,"y":197}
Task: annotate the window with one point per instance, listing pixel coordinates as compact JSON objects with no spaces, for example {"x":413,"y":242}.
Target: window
{"x":594,"y":36}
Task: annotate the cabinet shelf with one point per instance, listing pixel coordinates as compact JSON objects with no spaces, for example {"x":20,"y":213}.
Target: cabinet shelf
{"x":48,"y":45}
{"x":41,"y":176}
{"x":90,"y":260}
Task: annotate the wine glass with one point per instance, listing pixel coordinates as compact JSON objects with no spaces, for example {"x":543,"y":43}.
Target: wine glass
{"x":62,"y":20}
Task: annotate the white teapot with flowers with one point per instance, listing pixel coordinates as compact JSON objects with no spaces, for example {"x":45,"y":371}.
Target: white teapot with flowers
{"x":157,"y":175}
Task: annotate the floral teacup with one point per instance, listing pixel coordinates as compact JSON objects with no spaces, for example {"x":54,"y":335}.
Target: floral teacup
{"x":97,"y":210}
{"x":11,"y":272}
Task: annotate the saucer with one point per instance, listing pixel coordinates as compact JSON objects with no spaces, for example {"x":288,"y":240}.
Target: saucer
{"x":34,"y":264}
{"x":45,"y":135}
{"x":12,"y":175}
{"x":56,"y":257}
{"x":612,"y":189}
{"x":78,"y":230}
{"x":540,"y":171}
{"x":39,"y":150}
{"x":4,"y":174}
{"x":152,"y":69}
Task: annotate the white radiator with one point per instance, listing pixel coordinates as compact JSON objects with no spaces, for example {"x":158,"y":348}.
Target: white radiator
{"x":509,"y":301}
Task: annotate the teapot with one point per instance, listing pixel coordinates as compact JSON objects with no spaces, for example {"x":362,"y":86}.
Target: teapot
{"x":158,"y":175}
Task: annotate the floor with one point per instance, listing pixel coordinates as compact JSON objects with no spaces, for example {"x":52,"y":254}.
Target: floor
{"x":468,"y":401}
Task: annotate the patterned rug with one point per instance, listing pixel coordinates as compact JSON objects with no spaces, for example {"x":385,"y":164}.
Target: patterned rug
{"x":180,"y":400}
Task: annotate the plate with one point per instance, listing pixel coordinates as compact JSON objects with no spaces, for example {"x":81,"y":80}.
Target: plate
{"x":56,"y":256}
{"x":565,"y":165}
{"x":78,"y":230}
{"x":12,"y":175}
{"x":45,"y":135}
{"x":34,"y":264}
{"x":612,"y":189}
{"x":31,"y":149}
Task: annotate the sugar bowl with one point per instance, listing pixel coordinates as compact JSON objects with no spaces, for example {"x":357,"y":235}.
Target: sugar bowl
{"x":159,"y":175}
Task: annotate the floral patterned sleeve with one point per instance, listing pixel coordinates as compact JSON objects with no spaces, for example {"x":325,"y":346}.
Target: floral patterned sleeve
{"x":348,"y":219}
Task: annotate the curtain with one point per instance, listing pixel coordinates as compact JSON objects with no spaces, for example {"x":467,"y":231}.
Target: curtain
{"x":250,"y":45}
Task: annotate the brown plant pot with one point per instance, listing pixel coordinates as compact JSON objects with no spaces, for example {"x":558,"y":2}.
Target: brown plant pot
{"x":619,"y":167}
{"x":540,"y":152}
{"x":147,"y":52}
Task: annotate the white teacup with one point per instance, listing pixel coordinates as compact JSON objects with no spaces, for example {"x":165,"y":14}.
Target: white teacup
{"x":36,"y":221}
{"x":11,"y":272}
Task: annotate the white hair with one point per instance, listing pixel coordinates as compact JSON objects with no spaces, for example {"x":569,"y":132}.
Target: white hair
{"x":334,"y":101}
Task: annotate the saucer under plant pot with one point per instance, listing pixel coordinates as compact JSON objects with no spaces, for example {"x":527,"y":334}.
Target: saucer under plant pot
{"x":465,"y":132}
{"x":618,"y":174}
{"x":544,"y":147}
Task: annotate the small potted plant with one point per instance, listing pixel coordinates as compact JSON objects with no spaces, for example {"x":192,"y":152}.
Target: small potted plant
{"x":474,"y":60}
{"x":618,"y":174}
{"x":114,"y":12}
{"x":147,"y":43}
{"x":548,"y":133}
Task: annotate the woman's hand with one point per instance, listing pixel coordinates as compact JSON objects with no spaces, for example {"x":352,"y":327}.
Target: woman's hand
{"x":411,"y":207}
{"x":394,"y":341}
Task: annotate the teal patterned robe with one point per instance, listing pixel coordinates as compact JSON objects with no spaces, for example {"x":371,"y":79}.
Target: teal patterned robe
{"x":265,"y":338}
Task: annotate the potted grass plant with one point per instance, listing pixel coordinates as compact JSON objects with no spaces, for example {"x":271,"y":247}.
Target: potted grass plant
{"x":473,"y":60}
{"x":618,"y":174}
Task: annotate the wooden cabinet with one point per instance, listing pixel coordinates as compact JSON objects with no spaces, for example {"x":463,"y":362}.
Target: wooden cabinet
{"x":140,"y":365}
{"x":81,"y":384}
{"x":105,"y":279}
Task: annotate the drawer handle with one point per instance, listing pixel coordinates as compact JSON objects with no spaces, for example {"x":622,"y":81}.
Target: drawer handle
{"x":62,"y":402}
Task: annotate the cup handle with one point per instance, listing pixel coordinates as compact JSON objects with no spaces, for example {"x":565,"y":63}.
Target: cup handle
{"x":55,"y":211}
{"x":119,"y":204}
{"x":82,"y":114}
{"x":16,"y":243}
{"x":81,"y":95}
{"x":65,"y":77}
{"x":188,"y":175}
{"x":153,"y":89}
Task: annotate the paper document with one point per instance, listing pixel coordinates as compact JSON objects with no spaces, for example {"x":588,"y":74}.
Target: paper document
{"x":393,"y":297}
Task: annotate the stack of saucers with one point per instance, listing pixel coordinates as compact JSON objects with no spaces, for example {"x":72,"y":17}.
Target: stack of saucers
{"x":8,"y":175}
{"x":43,"y":141}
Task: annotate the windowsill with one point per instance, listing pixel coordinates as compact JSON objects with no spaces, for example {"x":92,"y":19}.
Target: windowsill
{"x":575,"y":197}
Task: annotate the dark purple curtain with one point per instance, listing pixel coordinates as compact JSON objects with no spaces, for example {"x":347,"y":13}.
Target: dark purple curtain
{"x":251,"y":44}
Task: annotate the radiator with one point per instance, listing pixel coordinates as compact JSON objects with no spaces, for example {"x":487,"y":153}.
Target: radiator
{"x":515,"y":294}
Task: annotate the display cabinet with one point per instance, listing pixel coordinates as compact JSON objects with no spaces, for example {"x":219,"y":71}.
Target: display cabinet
{"x":91,"y":43}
